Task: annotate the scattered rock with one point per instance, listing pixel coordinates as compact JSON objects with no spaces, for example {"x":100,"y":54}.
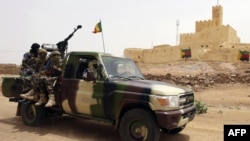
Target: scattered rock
{"x":220,"y":112}
{"x":199,"y":75}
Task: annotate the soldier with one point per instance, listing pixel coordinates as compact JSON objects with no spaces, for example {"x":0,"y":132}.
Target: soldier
{"x":51,"y":73}
{"x":40,"y":62}
{"x":120,"y":69}
{"x":27,"y":67}
{"x":29,"y":59}
{"x":90,"y":73}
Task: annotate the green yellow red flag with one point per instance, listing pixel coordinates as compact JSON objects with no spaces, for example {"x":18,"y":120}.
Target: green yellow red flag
{"x":243,"y":55}
{"x":186,"y":53}
{"x":98,"y":27}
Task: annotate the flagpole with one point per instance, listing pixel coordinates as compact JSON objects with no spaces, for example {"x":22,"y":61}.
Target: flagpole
{"x":103,"y":40}
{"x":97,"y":29}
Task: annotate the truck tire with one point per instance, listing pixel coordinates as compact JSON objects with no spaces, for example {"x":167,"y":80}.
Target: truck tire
{"x":32,"y":115}
{"x":139,"y":125}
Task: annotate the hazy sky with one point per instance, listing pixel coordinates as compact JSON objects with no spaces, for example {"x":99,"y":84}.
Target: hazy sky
{"x":125,"y":23}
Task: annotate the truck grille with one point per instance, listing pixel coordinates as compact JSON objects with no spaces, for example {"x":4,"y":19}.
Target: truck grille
{"x":186,"y":100}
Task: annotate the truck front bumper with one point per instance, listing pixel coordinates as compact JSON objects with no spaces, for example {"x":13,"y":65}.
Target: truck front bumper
{"x":175,"y":119}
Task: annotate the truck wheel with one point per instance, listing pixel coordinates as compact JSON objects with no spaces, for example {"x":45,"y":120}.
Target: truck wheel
{"x":139,"y":125}
{"x":32,"y":115}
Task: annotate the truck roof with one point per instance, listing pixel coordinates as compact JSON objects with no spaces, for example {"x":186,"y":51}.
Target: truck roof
{"x":94,"y":53}
{"x":88,"y":53}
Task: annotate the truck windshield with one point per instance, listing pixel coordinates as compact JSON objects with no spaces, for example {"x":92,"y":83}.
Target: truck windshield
{"x":121,"y":68}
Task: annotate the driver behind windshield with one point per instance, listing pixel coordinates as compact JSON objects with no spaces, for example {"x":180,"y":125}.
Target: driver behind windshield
{"x":120,"y":69}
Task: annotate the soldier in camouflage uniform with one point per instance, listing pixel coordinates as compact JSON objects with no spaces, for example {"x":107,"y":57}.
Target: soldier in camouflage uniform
{"x":40,"y":62}
{"x":27,"y":67}
{"x":51,"y":73}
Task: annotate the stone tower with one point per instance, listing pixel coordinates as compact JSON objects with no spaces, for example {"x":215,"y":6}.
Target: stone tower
{"x":217,"y":15}
{"x":211,"y":31}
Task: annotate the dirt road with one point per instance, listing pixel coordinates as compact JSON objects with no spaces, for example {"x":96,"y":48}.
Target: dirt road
{"x":227,"y":104}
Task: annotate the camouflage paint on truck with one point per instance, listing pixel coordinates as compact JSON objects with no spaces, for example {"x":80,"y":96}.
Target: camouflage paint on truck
{"x":107,"y":97}
{"x":12,"y":86}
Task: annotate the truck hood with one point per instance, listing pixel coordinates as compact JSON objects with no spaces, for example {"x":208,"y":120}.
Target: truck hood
{"x":151,"y":87}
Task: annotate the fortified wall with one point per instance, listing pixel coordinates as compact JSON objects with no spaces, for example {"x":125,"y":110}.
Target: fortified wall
{"x":211,"y":41}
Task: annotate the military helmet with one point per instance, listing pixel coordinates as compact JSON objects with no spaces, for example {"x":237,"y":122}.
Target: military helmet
{"x":42,"y":51}
{"x":54,"y":53}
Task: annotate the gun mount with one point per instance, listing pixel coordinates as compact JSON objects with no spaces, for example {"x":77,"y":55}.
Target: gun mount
{"x":61,"y":46}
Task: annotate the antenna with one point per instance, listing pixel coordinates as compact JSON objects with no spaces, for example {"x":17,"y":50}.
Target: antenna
{"x":177,"y":31}
{"x":152,"y":44}
{"x":217,"y":2}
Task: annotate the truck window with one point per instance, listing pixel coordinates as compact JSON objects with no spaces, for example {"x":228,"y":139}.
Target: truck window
{"x":85,"y":65}
{"x":122,"y":67}
{"x":77,"y":65}
{"x":82,"y":65}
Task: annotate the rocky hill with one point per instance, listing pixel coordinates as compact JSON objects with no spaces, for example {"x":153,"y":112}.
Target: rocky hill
{"x":198,"y":74}
{"x":9,"y":69}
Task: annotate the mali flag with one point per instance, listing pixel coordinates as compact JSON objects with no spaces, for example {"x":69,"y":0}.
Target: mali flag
{"x":186,"y":53}
{"x":98,"y":27}
{"x":243,"y":55}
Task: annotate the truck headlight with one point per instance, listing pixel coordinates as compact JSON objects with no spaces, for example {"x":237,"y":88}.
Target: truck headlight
{"x":169,"y":101}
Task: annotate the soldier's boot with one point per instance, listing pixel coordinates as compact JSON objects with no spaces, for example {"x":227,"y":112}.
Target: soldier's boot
{"x":33,"y":97}
{"x":29,"y":93}
{"x":42,"y":100}
{"x":51,"y":101}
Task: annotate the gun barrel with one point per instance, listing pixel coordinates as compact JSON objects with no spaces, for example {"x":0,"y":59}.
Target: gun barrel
{"x":78,"y":27}
{"x":62,"y":45}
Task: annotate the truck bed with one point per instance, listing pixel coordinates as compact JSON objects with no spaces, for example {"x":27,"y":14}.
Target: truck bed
{"x":12,"y":86}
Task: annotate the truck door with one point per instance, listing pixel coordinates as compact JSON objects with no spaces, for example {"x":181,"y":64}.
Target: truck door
{"x":81,"y":94}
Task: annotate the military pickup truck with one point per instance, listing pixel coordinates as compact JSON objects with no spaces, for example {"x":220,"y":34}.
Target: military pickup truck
{"x":113,"y":90}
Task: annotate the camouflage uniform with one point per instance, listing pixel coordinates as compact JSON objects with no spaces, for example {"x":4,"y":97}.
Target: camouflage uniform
{"x":40,"y":61}
{"x":52,"y":71}
{"x":27,"y":67}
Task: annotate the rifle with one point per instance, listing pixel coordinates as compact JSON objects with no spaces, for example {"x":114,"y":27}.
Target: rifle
{"x":61,"y":46}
